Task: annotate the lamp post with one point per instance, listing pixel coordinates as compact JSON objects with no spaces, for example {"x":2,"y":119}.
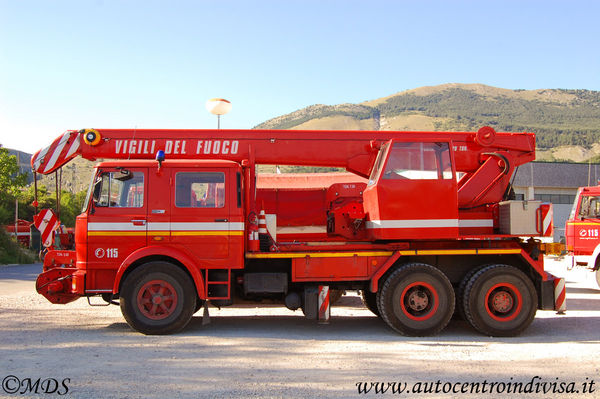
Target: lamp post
{"x":218,"y":106}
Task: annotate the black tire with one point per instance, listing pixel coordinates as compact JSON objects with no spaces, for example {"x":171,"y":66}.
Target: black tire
{"x":459,"y":311}
{"x":369,"y":299}
{"x":500,"y":300}
{"x":598,"y":277}
{"x":158,"y":298}
{"x":417,"y":300}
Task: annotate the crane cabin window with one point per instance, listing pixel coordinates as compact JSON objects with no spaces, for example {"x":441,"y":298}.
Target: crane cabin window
{"x":378,"y":164}
{"x":418,"y":161}
{"x":200,"y":190}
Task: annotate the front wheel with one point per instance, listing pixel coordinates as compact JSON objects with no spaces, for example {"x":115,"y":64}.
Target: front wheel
{"x":158,"y":298}
{"x":417,"y":299}
{"x":500,"y":300}
{"x":598,"y":277}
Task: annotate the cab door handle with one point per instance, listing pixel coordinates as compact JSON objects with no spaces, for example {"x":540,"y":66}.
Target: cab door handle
{"x":138,"y":222}
{"x":221,"y":220}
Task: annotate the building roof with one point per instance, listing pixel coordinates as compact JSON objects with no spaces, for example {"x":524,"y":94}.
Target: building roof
{"x":557,"y":174}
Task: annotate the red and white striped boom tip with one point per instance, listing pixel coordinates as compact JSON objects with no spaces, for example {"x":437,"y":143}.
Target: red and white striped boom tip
{"x":61,"y":151}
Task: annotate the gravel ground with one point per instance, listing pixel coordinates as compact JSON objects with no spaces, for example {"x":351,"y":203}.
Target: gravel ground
{"x":273,"y":352}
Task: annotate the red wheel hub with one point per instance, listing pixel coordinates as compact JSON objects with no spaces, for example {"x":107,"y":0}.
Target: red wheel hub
{"x":419,"y":301}
{"x":157,"y":299}
{"x":503,"y":302}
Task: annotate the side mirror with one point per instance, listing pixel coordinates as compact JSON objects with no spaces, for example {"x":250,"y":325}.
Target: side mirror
{"x":122,"y":175}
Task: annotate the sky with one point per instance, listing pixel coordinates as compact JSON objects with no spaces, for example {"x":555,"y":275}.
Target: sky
{"x":154,"y":64}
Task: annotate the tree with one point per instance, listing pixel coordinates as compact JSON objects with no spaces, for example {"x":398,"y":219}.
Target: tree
{"x":70,"y":204}
{"x":11,"y":183}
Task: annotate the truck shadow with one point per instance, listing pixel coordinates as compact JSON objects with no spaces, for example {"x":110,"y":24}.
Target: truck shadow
{"x":360,"y":328}
{"x":547,"y":327}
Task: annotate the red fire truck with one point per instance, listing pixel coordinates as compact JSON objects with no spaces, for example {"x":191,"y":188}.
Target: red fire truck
{"x":175,"y":221}
{"x":22,"y":231}
{"x":582,"y":229}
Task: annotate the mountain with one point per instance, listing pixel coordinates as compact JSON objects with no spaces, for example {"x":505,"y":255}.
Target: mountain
{"x":76,"y":174}
{"x":566,"y":122}
{"x":23,"y":161}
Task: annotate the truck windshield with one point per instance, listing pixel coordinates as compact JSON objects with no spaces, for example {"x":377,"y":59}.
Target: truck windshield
{"x":575,"y":203}
{"x":86,"y":203}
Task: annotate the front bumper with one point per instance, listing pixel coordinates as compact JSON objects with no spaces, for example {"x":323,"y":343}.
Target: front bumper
{"x":60,"y":281}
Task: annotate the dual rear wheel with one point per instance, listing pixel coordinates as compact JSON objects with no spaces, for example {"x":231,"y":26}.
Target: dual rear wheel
{"x":499,"y":300}
{"x":418,"y":300}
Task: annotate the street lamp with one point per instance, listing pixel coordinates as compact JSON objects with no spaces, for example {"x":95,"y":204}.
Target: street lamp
{"x":218,"y":106}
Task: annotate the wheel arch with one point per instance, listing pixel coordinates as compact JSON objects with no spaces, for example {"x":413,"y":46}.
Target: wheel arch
{"x":594,"y":263}
{"x":170,"y":255}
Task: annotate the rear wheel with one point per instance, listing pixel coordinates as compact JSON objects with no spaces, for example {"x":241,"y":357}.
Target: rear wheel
{"x":417,"y":300}
{"x":158,"y":298}
{"x":500,"y":300}
{"x":459,"y":309}
{"x":369,"y":299}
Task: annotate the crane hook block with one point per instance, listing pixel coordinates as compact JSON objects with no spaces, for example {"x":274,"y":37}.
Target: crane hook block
{"x":90,"y":136}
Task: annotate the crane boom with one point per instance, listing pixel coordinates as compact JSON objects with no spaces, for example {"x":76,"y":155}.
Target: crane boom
{"x":353,"y":150}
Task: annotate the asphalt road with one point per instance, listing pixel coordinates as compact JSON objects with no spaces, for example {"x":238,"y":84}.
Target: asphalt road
{"x":275,"y":353}
{"x":18,"y":278}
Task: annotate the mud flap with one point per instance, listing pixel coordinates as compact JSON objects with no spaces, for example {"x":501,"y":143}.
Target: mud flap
{"x":310,"y":304}
{"x":552,"y":294}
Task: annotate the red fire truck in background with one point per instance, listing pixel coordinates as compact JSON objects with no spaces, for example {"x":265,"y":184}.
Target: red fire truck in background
{"x":583,"y":229}
{"x":22,"y":231}
{"x":176,"y":220}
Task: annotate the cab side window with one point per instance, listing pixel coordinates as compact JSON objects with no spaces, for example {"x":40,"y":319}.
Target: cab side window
{"x":121,"y":189}
{"x":200,"y":190}
{"x":419,"y":161}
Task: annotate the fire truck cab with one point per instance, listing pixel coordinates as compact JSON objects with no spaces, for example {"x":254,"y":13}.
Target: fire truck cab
{"x":583,"y":229}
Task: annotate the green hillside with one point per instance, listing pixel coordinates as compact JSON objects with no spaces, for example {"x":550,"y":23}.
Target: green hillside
{"x":566,"y":122}
{"x":558,"y":117}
